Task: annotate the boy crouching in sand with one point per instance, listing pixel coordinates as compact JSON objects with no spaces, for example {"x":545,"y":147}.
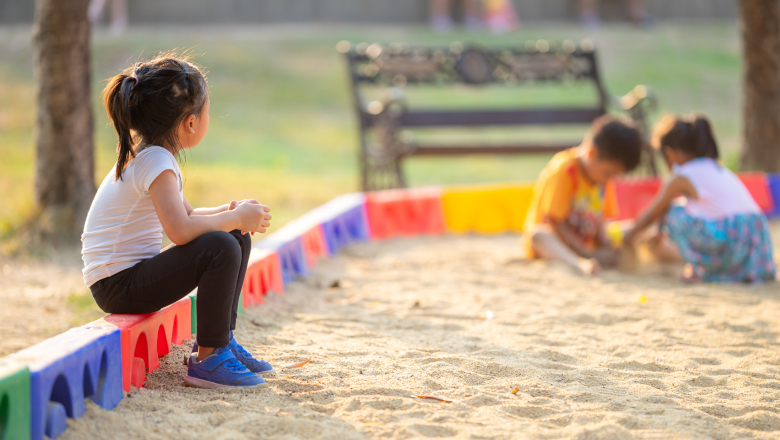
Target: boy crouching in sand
{"x":575,"y":193}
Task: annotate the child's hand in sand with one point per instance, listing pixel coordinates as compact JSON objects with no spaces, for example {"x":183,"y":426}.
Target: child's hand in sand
{"x":629,"y":258}
{"x":589,"y":266}
{"x":606,"y":256}
{"x":252,"y":213}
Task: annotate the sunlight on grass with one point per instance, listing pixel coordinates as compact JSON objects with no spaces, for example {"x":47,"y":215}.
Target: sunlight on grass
{"x":283,"y":129}
{"x":83,"y":308}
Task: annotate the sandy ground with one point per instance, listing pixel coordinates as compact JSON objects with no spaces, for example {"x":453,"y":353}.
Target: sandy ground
{"x":463,"y":318}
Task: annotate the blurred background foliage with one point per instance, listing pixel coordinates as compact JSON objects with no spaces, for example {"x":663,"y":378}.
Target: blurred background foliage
{"x":283,"y":128}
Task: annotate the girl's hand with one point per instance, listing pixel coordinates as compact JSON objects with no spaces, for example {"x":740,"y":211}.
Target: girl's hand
{"x":253,"y":215}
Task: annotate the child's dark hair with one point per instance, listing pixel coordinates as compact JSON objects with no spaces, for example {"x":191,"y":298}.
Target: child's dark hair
{"x":691,"y":134}
{"x":618,"y":140}
{"x":147,"y":102}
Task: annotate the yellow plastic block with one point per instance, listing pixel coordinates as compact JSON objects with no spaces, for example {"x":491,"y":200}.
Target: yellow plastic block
{"x":487,"y":209}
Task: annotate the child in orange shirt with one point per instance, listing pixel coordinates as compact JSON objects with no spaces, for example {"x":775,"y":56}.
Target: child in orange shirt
{"x":574,"y":194}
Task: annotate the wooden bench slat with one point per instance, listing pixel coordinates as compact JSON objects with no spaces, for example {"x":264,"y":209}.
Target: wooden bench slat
{"x":437,"y":118}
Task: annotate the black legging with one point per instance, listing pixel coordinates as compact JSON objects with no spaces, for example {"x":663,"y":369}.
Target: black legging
{"x":215,"y":263}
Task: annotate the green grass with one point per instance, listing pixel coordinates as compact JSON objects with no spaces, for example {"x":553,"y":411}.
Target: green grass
{"x":83,"y":308}
{"x":282,"y":128}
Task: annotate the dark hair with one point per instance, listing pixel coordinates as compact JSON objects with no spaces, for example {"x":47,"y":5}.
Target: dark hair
{"x":147,"y":102}
{"x":691,"y":134}
{"x":618,"y":140}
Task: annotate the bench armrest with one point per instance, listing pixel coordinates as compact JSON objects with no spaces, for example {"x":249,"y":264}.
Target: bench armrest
{"x":638,"y":96}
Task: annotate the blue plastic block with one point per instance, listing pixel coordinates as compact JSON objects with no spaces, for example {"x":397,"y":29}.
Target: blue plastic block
{"x":345,"y":229}
{"x":774,"y":188}
{"x":343,"y":221}
{"x":292,"y":260}
{"x":287,"y":242}
{"x":66,"y":369}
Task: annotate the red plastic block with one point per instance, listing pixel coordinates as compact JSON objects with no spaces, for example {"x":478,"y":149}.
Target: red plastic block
{"x":758,"y":186}
{"x":148,"y":336}
{"x":405,"y":212}
{"x":314,"y":245}
{"x":263,"y":274}
{"x":633,"y":196}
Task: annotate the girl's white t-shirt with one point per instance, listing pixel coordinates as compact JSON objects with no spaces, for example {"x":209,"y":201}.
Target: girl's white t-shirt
{"x":721,"y":193}
{"x":122,"y":227}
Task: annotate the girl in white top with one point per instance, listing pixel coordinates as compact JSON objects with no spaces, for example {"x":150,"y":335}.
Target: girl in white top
{"x":715,"y":225}
{"x":159,"y":108}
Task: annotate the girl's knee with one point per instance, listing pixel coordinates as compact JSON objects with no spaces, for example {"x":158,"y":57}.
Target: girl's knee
{"x":539,"y":234}
{"x":222,"y":242}
{"x":245,"y":240}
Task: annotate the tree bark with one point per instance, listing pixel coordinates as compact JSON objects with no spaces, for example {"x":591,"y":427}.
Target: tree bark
{"x":760,"y":25}
{"x":64,"y":179}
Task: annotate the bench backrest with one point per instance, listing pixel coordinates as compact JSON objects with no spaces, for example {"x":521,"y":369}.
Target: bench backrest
{"x":398,"y":65}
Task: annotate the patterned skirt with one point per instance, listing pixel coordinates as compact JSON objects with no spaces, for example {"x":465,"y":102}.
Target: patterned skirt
{"x":734,"y":249}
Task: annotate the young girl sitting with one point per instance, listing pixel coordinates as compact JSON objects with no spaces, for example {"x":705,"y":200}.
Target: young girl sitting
{"x":159,"y":108}
{"x":718,"y":230}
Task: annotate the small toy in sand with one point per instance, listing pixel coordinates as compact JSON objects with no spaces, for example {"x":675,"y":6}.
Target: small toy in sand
{"x":439,"y":399}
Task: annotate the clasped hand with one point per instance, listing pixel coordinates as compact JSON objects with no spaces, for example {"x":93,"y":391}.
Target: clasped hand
{"x":253,"y":215}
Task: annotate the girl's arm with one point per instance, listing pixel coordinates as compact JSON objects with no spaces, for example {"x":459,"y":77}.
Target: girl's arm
{"x":182,"y":228}
{"x":216,"y":209}
{"x":674,"y":186}
{"x":204,"y":211}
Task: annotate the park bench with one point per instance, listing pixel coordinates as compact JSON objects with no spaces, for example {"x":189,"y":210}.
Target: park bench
{"x":396,"y":66}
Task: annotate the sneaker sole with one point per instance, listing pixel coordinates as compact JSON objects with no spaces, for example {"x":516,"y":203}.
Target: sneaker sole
{"x":271,"y":371}
{"x":201,"y":383}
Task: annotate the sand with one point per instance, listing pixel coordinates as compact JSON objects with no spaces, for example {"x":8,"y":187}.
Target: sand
{"x":464,"y":318}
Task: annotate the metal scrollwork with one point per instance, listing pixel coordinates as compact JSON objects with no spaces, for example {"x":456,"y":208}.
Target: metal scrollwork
{"x":398,"y":65}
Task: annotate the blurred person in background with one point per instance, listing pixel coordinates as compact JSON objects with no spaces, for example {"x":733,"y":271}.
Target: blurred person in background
{"x":441,"y":20}
{"x":590,"y":18}
{"x":118,"y":14}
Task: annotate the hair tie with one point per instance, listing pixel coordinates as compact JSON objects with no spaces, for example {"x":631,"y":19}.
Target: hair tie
{"x":136,"y":82}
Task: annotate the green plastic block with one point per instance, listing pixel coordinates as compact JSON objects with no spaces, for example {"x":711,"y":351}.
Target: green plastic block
{"x":14,"y":401}
{"x":194,"y":313}
{"x":240,"y":310}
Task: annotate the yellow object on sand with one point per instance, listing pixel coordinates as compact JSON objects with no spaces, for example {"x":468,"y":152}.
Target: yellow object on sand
{"x":615,"y":233}
{"x":486,"y":209}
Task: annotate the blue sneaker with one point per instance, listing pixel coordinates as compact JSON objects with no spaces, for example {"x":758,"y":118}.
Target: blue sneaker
{"x":256,"y":366}
{"x":221,"y":369}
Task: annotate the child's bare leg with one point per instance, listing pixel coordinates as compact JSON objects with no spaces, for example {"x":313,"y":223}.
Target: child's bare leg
{"x":547,"y":245}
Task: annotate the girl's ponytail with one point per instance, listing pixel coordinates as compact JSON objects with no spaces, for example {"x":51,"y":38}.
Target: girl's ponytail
{"x":116,"y":100}
{"x":691,"y":134}
{"x":703,"y":137}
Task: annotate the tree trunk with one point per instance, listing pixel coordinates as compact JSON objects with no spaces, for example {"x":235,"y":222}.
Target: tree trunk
{"x":64,"y":179}
{"x":760,"y":24}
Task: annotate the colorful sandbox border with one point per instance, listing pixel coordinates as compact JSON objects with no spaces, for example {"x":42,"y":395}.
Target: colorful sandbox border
{"x":43,"y":384}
